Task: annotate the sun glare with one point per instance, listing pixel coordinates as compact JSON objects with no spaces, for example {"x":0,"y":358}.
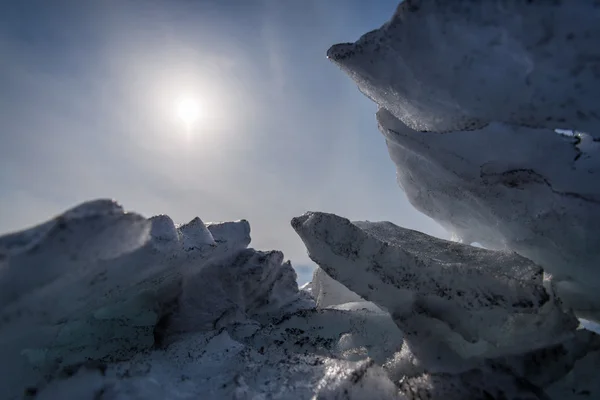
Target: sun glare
{"x":188,"y":111}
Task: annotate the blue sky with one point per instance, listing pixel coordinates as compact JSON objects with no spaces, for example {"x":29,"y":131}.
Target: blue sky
{"x":88,"y":92}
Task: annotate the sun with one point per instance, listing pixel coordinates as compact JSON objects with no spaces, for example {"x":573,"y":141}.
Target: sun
{"x":188,"y":110}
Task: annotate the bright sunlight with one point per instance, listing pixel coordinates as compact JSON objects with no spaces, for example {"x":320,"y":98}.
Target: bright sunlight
{"x":188,"y":110}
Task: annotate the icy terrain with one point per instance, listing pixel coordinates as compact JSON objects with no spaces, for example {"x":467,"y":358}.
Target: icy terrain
{"x":469,"y":96}
{"x":103,"y":304}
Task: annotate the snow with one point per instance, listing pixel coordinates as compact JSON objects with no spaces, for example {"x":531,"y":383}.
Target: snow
{"x":582,"y":382}
{"x":448,"y":66}
{"x":329,"y":292}
{"x":191,"y":311}
{"x":120,"y":306}
{"x":468,"y":301}
{"x":474,"y":137}
{"x":518,"y":201}
{"x":99,"y":303}
{"x":474,"y":321}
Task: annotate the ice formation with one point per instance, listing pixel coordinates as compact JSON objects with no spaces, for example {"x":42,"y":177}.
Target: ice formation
{"x":445,"y":66}
{"x":469,"y":96}
{"x":103,"y":304}
{"x":474,"y":321}
{"x":470,"y":302}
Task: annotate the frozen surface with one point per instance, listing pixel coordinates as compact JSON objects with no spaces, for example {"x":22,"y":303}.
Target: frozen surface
{"x":458,"y":65}
{"x":474,"y":321}
{"x":472,"y":303}
{"x":103,"y":304}
{"x":497,"y":186}
{"x":187,"y":312}
{"x":146,"y":309}
{"x":329,"y":292}
{"x":470,"y":95}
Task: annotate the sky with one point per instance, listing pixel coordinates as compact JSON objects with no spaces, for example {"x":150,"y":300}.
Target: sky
{"x":88,"y":97}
